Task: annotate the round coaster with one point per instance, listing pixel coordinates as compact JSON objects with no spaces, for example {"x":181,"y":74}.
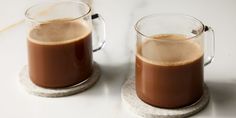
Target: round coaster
{"x":131,"y":100}
{"x":58,"y":92}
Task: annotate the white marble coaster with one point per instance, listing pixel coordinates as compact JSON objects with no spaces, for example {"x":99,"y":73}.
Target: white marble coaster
{"x":30,"y":87}
{"x":131,"y":100}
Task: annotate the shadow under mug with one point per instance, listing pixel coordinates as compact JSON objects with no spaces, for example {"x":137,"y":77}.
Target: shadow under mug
{"x":62,"y":37}
{"x":171,"y":52}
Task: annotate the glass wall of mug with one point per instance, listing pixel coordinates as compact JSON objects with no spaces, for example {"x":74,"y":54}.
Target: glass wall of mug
{"x":59,"y":43}
{"x":169,"y":60}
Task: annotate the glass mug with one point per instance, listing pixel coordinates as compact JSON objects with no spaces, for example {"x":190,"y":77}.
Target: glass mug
{"x":171,"y":51}
{"x":60,"y":40}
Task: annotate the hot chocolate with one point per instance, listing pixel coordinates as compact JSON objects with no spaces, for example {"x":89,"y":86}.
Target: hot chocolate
{"x":60,"y":53}
{"x":169,"y":71}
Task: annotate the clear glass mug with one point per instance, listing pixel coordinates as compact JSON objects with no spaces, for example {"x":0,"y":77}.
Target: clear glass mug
{"x":62,"y":37}
{"x":171,"y":51}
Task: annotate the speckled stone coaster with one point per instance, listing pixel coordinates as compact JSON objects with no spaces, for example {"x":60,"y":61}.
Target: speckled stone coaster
{"x":30,"y":87}
{"x":131,"y":100}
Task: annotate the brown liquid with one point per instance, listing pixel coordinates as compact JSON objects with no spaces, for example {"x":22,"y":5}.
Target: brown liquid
{"x":169,"y":71}
{"x":60,"y":53}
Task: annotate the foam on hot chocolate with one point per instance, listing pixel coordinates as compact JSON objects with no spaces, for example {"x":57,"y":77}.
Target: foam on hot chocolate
{"x":169,"y":49}
{"x":59,"y":31}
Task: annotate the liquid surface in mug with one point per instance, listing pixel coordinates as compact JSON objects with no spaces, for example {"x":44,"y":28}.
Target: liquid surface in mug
{"x":60,"y":53}
{"x":169,"y":71}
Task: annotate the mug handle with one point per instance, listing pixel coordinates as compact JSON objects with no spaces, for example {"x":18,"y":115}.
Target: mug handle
{"x":99,"y":32}
{"x":209,"y":48}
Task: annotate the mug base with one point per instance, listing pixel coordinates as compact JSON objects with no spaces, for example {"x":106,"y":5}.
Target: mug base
{"x":34,"y":89}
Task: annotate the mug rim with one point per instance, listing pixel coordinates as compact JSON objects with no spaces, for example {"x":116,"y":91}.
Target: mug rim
{"x":169,"y":14}
{"x":27,"y":12}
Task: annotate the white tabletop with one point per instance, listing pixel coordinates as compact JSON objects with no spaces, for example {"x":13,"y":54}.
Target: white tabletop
{"x":104,"y":100}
